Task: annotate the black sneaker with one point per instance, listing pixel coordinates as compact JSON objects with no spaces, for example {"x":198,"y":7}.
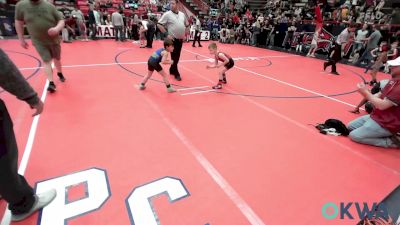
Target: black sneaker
{"x":395,"y":141}
{"x":178,"y":77}
{"x":372,"y":82}
{"x":335,"y":73}
{"x":325,"y":65}
{"x":224,"y":80}
{"x":51,"y":88}
{"x":218,"y":86}
{"x":61,"y":77}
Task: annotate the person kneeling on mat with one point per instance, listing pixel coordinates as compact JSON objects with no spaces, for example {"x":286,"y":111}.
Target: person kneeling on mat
{"x":162,"y":55}
{"x":382,"y":127}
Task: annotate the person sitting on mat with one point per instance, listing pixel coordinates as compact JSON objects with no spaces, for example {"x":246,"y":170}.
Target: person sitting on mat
{"x":382,"y":127}
{"x":227,"y":63}
{"x":162,"y":55}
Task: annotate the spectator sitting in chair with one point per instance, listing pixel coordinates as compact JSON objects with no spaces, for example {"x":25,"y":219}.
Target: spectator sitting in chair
{"x":381,"y":128}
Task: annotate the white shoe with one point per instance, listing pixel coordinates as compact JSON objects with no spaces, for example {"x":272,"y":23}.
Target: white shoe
{"x":42,"y":200}
{"x":140,"y":86}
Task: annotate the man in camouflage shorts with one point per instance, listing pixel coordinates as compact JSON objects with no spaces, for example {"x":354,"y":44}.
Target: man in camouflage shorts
{"x":44,"y":23}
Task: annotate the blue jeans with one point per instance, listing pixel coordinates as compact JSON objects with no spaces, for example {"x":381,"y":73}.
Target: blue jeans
{"x":119,"y":33}
{"x":365,"y":56}
{"x":356,"y":47}
{"x":365,"y":130}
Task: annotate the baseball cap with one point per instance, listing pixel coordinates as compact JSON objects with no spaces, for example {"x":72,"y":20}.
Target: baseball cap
{"x":394,"y":62}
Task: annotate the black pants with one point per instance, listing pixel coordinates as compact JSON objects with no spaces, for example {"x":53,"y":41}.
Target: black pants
{"x":337,"y":56}
{"x":150,"y":37}
{"x":93,"y":30}
{"x":197,"y":35}
{"x":13,"y":187}
{"x":175,"y":55}
{"x":135,"y":32}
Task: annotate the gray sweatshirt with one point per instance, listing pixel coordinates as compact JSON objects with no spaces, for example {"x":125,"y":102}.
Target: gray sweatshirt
{"x":12,"y":81}
{"x":117,"y":20}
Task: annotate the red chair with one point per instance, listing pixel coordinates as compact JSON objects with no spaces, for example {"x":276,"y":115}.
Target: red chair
{"x":128,"y":12}
{"x":83,"y":3}
{"x":85,"y":11}
{"x":111,"y":10}
{"x":153,"y":8}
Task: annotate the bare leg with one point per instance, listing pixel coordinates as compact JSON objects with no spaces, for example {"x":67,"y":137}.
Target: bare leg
{"x":373,"y":74}
{"x":310,"y":51}
{"x":221,"y":79}
{"x":357,"y":109}
{"x":313,"y":52}
{"x":57,"y":64}
{"x":146,"y":78}
{"x":375,"y":69}
{"x":165,"y":77}
{"x":166,"y":81}
{"x":48,"y":70}
{"x":85,"y":32}
{"x":222,"y":73}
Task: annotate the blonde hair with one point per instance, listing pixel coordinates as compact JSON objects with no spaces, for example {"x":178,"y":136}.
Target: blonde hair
{"x":212,"y":46}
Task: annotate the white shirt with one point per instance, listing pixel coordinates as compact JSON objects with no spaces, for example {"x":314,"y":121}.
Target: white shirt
{"x":361,"y":35}
{"x":79,"y":15}
{"x":144,"y":23}
{"x":343,"y":37}
{"x":97,"y":17}
{"x":174,"y":23}
{"x":315,"y":38}
{"x":198,"y":24}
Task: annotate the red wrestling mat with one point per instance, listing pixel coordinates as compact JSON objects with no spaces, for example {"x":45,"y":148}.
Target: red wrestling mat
{"x":244,"y":155}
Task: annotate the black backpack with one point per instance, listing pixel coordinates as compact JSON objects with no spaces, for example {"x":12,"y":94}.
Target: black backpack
{"x":334,"y":123}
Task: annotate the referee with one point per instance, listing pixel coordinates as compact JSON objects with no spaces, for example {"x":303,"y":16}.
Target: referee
{"x":174,"y":24}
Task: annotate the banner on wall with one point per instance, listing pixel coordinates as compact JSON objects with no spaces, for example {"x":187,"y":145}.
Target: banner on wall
{"x":106,"y":31}
{"x":204,"y":36}
{"x":325,"y":41}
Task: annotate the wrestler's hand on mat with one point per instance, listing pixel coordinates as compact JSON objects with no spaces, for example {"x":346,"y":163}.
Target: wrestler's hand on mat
{"x":355,"y":111}
{"x":53,"y":31}
{"x":39,"y":108}
{"x":24,"y":44}
{"x":211,"y":66}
